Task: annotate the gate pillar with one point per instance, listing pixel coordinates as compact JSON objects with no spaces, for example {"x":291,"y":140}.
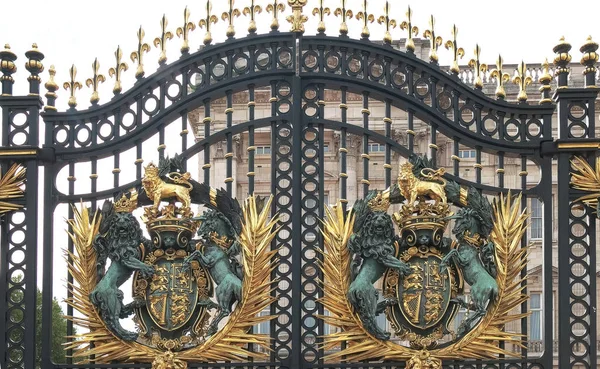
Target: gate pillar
{"x":18,"y":231}
{"x":576,"y":222}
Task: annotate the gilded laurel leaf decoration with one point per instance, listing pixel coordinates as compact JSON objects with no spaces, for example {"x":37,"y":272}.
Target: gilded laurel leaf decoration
{"x":10,"y":187}
{"x":586,"y":178}
{"x":479,"y":343}
{"x":258,"y":230}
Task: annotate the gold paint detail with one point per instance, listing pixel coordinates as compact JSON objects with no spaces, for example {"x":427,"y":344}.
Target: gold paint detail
{"x":522,"y":80}
{"x":477,"y":166}
{"x":388,"y":22}
{"x":586,"y":177}
{"x":184,"y":31}
{"x":321,"y":103}
{"x":457,"y":52}
{"x":229,"y":16}
{"x":478,"y":68}
{"x":523,"y":173}
{"x":93,"y":176}
{"x":298,"y":18}
{"x":343,"y":149}
{"x":206,"y":166}
{"x":206,"y":120}
{"x":562,"y":58}
{"x":251,"y":148}
{"x":321,"y":11}
{"x":365,"y":111}
{"x":501,"y":78}
{"x":71,"y":178}
{"x":161,"y":147}
{"x":95,"y":81}
{"x":387,"y":120}
{"x":11,"y":184}
{"x":161,"y":42}
{"x":184,"y":132}
{"x":17,"y":152}
{"x":126,"y":204}
{"x":213,"y":196}
{"x":479,"y":343}
{"x":343,"y":175}
{"x":435,"y":41}
{"x":138,"y":161}
{"x":344,"y":14}
{"x":381,"y":202}
{"x":578,"y":145}
{"x":365,"y":181}
{"x":138,"y":55}
{"x":365,"y":156}
{"x":411,"y":30}
{"x":116,"y":170}
{"x":367,"y":18}
{"x":206,"y":22}
{"x":72,"y":86}
{"x":228,"y":180}
{"x":273,"y":99}
{"x":454,"y":157}
{"x":251,"y":174}
{"x":500,"y":170}
{"x":51,"y":86}
{"x":229,"y":155}
{"x":116,"y":71}
{"x":275,"y":8}
{"x":252,"y":11}
{"x":343,"y":106}
{"x":410,"y":132}
{"x":464,"y":194}
{"x":387,"y":166}
{"x":228,"y":110}
{"x":228,"y":344}
{"x":251,"y":103}
{"x":434,"y":146}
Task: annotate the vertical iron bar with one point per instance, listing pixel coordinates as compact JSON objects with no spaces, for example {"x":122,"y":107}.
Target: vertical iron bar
{"x":387,"y":120}
{"x":455,"y":158}
{"x":365,"y":155}
{"x":229,"y":154}
{"x":344,"y":150}
{"x":251,"y":148}
{"x":207,"y":122}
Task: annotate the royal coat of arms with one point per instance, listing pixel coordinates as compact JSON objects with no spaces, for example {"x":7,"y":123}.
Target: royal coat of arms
{"x":192,"y":274}
{"x":423,"y":275}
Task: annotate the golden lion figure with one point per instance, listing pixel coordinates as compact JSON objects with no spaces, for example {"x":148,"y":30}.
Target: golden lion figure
{"x":157,"y":189}
{"x":412,"y":188}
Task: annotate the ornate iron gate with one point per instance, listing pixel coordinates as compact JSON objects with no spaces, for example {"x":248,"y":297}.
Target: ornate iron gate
{"x":297,"y":70}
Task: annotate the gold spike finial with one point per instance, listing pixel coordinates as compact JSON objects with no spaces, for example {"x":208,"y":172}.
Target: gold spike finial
{"x":206,"y":22}
{"x":297,"y":19}
{"x":185,"y":30}
{"x":275,"y":7}
{"x":139,"y":53}
{"x":458,"y":52}
{"x":366,"y":18}
{"x":522,"y":80}
{"x":501,"y":77}
{"x":51,"y":86}
{"x":436,"y":41}
{"x":545,"y":80}
{"x":589,"y":58}
{"x":229,"y":15}
{"x":72,"y":86}
{"x":251,"y":11}
{"x":344,"y":14}
{"x":117,"y":69}
{"x":321,"y":11}
{"x":161,"y":41}
{"x":412,"y":30}
{"x":388,"y":22}
{"x":478,"y":68}
{"x":96,"y":79}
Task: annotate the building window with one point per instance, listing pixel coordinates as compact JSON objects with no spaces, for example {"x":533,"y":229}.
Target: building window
{"x":467,"y":154}
{"x":376,"y":147}
{"x":536,"y":219}
{"x":263,"y":150}
{"x":535,"y":319}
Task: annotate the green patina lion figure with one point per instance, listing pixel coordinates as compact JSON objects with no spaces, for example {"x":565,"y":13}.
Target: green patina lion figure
{"x":119,"y":240}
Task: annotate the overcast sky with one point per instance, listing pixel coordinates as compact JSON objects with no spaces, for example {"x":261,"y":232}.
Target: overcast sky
{"x":77,"y":31}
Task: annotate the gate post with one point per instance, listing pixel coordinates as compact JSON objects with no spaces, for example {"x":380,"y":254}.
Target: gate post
{"x":576,"y":222}
{"x":18,"y":237}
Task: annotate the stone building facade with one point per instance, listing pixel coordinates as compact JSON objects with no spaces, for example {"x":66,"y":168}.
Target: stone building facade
{"x":445,"y":150}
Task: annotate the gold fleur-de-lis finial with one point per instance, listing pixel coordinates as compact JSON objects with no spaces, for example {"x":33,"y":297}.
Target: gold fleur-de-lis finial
{"x":321,"y":11}
{"x":252,"y":10}
{"x":72,"y":86}
{"x":388,"y":22}
{"x":275,"y":7}
{"x":297,"y":18}
{"x":117,"y":69}
{"x":522,"y":80}
{"x":344,"y":14}
{"x":138,"y":55}
{"x":161,"y":41}
{"x":206,"y":22}
{"x":96,"y":79}
{"x":185,"y":30}
{"x":436,"y":41}
{"x":229,"y":15}
{"x":412,"y":30}
{"x":501,"y":77}
{"x":478,"y":68}
{"x":366,"y":18}
{"x":458,"y":52}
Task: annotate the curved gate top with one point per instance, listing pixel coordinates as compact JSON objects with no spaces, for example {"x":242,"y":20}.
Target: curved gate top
{"x":313,"y":120}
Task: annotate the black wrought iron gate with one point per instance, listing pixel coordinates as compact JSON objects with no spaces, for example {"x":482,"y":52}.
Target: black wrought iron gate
{"x":297,"y":72}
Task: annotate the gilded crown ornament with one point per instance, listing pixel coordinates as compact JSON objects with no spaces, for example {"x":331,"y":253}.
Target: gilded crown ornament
{"x":478,"y":68}
{"x":206,"y":22}
{"x":522,"y":80}
{"x":72,"y":86}
{"x":321,"y":11}
{"x":435,"y":41}
{"x":184,"y":31}
{"x":367,"y":18}
{"x":344,"y":14}
{"x":457,"y":52}
{"x":93,"y":82}
{"x":120,"y":66}
{"x":411,"y":30}
{"x":161,"y":42}
{"x":381,"y":202}
{"x":501,"y":78}
{"x":138,"y":55}
{"x":229,"y":16}
{"x":219,"y":261}
{"x":252,"y":11}
{"x":275,"y":8}
{"x":388,"y":22}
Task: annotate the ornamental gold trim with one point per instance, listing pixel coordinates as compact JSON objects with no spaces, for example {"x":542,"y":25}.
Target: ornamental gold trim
{"x":10,"y":188}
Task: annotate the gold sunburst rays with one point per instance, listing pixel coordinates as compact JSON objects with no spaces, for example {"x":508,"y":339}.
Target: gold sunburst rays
{"x":480,"y":343}
{"x":10,"y":187}
{"x":258,"y":230}
{"x":586,"y":178}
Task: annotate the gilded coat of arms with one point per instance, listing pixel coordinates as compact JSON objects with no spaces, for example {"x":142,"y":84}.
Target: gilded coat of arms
{"x":423,"y":274}
{"x":193,"y":273}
